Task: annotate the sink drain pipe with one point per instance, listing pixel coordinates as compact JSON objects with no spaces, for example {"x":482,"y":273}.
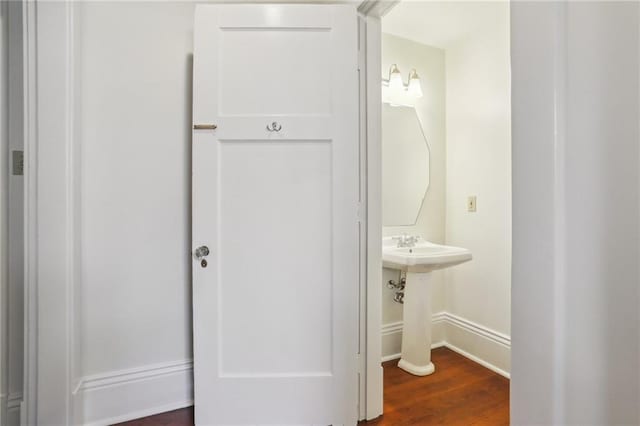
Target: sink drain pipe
{"x":399,"y":285}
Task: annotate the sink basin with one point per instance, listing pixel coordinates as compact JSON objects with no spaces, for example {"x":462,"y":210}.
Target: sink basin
{"x":423,"y":257}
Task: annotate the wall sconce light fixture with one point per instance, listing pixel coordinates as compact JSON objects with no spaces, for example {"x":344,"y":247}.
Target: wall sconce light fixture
{"x":396,"y":84}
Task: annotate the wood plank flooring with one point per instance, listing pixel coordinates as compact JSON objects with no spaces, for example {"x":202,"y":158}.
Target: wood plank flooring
{"x":460,"y":392}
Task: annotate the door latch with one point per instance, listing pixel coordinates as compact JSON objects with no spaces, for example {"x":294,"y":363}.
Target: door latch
{"x":200,"y":253}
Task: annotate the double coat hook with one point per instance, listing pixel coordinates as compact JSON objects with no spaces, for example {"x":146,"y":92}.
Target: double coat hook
{"x":274,"y":127}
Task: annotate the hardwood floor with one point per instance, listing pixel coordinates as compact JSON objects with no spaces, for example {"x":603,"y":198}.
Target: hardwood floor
{"x":460,"y":392}
{"x":183,"y":417}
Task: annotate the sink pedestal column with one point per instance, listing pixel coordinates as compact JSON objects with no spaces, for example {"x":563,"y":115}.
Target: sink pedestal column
{"x":416,"y":330}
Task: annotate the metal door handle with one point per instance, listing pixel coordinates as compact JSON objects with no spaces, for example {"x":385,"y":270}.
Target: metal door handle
{"x":201,"y":252}
{"x":204,"y":127}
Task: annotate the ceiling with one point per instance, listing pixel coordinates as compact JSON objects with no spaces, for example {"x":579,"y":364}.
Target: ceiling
{"x":438,"y":23}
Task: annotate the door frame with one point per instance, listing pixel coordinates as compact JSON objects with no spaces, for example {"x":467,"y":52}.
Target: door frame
{"x":4,"y":208}
{"x":52,"y":212}
{"x":371,"y":12}
{"x":52,"y":206}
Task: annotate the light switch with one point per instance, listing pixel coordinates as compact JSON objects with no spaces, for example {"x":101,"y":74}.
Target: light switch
{"x":471,"y":203}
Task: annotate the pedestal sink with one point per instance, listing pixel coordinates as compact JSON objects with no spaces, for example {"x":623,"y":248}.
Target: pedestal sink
{"x":418,"y":261}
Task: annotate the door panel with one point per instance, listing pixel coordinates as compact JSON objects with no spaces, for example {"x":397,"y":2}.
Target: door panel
{"x":275,"y":308}
{"x":274,"y":191}
{"x":285,"y":74}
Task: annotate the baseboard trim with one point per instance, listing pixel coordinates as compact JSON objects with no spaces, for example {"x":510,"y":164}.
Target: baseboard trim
{"x":114,"y":378}
{"x":14,"y":400}
{"x":390,"y":357}
{"x":13,"y":403}
{"x":439,"y":317}
{"x":396,"y":327}
{"x":486,"y":334}
{"x":480,"y":330}
{"x":479,"y":361}
{"x":123,"y":395}
{"x":393,"y":327}
{"x":398,"y":355}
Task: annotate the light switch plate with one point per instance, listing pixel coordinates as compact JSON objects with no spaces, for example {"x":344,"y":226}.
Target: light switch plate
{"x":17,"y":163}
{"x":471,"y":203}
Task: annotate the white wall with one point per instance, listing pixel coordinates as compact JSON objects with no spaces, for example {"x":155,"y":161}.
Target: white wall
{"x":478,"y":162}
{"x":576,"y":249}
{"x":133,"y":88}
{"x":129,"y":344}
{"x":429,"y":63}
{"x":134,"y":118}
{"x":602,"y":235}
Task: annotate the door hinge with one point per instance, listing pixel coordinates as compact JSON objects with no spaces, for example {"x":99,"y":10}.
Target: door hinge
{"x":359,"y":213}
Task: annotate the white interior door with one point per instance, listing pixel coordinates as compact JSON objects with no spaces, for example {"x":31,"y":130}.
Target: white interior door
{"x":275,"y":200}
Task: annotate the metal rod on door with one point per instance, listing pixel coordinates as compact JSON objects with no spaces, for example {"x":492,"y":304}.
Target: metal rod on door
{"x":204,"y":127}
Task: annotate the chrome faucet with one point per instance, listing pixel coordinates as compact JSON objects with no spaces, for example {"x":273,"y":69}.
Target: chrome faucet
{"x":405,"y":240}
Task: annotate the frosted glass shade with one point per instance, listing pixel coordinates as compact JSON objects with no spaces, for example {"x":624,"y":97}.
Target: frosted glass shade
{"x":395,"y":78}
{"x":415,"y":88}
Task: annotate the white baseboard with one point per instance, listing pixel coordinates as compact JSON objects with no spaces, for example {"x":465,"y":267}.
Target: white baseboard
{"x":481,"y":344}
{"x":481,"y":330}
{"x":390,"y":357}
{"x":13,"y":409}
{"x":478,"y":360}
{"x":391,"y":335}
{"x":487,"y":347}
{"x":3,"y":406}
{"x":398,"y":355}
{"x":393,"y":327}
{"x":118,"y":396}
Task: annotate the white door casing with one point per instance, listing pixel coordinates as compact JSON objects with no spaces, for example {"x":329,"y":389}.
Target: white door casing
{"x":276,"y":308}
